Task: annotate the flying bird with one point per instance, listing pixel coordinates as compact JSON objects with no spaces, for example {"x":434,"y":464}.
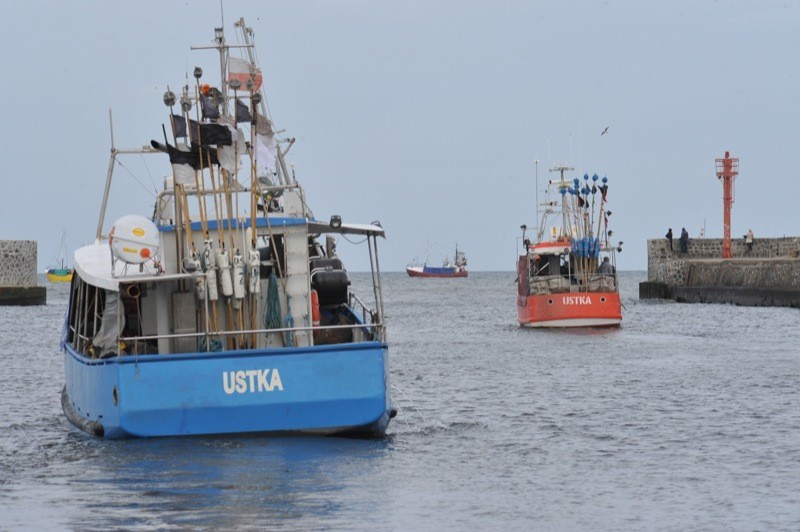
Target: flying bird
{"x":604,"y":131}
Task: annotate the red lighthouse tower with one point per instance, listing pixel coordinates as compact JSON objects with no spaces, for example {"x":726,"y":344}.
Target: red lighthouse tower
{"x":727,"y":170}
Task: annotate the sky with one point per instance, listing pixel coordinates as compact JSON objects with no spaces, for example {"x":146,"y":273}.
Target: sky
{"x":427,"y":115}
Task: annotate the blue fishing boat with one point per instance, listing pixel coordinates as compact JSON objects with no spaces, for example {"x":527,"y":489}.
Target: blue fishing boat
{"x":228,"y":310}
{"x":456,"y":268}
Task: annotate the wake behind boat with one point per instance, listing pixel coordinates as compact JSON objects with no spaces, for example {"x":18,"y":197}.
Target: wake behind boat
{"x":457,"y":268}
{"x":567,"y":276}
{"x":224,"y":312}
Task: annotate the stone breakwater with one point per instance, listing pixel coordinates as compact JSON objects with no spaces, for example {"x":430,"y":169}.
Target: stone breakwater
{"x":767,"y":274}
{"x":18,"y":262}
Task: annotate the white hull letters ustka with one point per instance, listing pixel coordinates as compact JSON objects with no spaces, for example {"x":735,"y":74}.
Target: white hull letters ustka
{"x":577,"y":300}
{"x":251,"y":381}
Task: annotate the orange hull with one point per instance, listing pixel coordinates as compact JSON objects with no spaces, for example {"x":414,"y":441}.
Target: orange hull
{"x":570,"y":309}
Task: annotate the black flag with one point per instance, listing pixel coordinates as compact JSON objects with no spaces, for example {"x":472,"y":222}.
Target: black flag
{"x":176,"y":156}
{"x":209,"y":134}
{"x":242,"y":112}
{"x":192,"y":157}
{"x":209,"y":107}
{"x":209,"y":155}
{"x":178,"y":126}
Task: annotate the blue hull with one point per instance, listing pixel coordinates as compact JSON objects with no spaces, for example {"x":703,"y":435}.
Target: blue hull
{"x":432,"y":270}
{"x":327,"y":389}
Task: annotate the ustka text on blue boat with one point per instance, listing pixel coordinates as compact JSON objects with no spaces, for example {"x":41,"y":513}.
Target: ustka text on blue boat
{"x":251,"y":381}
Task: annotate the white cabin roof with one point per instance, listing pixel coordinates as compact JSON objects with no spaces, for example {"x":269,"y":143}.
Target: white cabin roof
{"x":551,"y":248}
{"x":346,"y":229}
{"x":93,"y":265}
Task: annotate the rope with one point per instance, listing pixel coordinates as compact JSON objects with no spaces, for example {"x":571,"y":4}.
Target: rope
{"x":352,"y":242}
{"x":424,"y":421}
{"x":149,"y":174}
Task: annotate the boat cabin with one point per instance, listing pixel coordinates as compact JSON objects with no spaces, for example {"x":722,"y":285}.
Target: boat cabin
{"x":553,"y":267}
{"x":156,"y":294}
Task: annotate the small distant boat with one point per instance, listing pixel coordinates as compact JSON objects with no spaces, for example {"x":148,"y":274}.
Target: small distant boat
{"x":567,"y":277}
{"x":59,"y":275}
{"x":62,"y":274}
{"x":457,"y":268}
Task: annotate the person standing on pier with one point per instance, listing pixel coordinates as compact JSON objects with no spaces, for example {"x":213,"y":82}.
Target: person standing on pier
{"x":684,"y":240}
{"x":669,"y":239}
{"x":748,"y":239}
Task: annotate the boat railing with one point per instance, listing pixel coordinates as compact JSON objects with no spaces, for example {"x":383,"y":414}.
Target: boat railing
{"x":81,"y":340}
{"x":355,"y":303}
{"x":266,"y":192}
{"x":207,"y":345}
{"x":199,"y":334}
{"x":556,"y":284}
{"x":601,"y":282}
{"x":550,"y":284}
{"x":367,"y":324}
{"x":273,"y":190}
{"x":366,"y":327}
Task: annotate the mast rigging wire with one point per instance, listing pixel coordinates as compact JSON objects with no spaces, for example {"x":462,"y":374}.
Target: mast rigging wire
{"x":152,"y":195}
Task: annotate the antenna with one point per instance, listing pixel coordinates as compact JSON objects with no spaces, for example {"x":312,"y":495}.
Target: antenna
{"x":562,"y":183}
{"x":111,"y":128}
{"x":580,"y":161}
{"x":536,"y":162}
{"x":571,"y":154}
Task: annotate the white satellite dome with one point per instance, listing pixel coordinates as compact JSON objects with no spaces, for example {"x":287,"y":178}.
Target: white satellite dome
{"x":133,"y":239}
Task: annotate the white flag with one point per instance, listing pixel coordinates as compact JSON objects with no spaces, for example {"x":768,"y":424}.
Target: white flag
{"x":183,"y":174}
{"x":229,"y":155}
{"x":266,"y":151}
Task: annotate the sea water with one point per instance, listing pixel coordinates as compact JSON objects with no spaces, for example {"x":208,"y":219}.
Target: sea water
{"x":686,"y":417}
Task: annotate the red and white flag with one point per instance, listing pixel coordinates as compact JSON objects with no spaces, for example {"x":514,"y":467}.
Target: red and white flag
{"x":242,"y":70}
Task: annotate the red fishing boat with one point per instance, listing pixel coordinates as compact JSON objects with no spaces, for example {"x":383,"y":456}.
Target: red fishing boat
{"x":567,"y":277}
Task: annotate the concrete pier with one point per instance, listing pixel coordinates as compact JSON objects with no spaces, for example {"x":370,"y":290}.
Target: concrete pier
{"x":766,"y":274}
{"x":18,"y":263}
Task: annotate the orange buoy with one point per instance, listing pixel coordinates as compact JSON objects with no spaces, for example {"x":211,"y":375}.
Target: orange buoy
{"x":314,"y":308}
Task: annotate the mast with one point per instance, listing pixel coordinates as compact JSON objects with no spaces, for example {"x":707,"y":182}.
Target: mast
{"x":562,"y":185}
{"x":110,"y":173}
{"x":108,"y":179}
{"x":247,"y":35}
{"x":219,"y":38}
{"x":63,"y":247}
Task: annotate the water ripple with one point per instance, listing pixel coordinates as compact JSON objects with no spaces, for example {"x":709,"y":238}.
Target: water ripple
{"x":685,"y":418}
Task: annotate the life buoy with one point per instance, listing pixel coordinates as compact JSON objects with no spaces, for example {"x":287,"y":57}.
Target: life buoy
{"x":314,"y":308}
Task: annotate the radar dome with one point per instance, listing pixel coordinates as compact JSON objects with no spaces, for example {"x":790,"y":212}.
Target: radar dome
{"x":133,"y":239}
